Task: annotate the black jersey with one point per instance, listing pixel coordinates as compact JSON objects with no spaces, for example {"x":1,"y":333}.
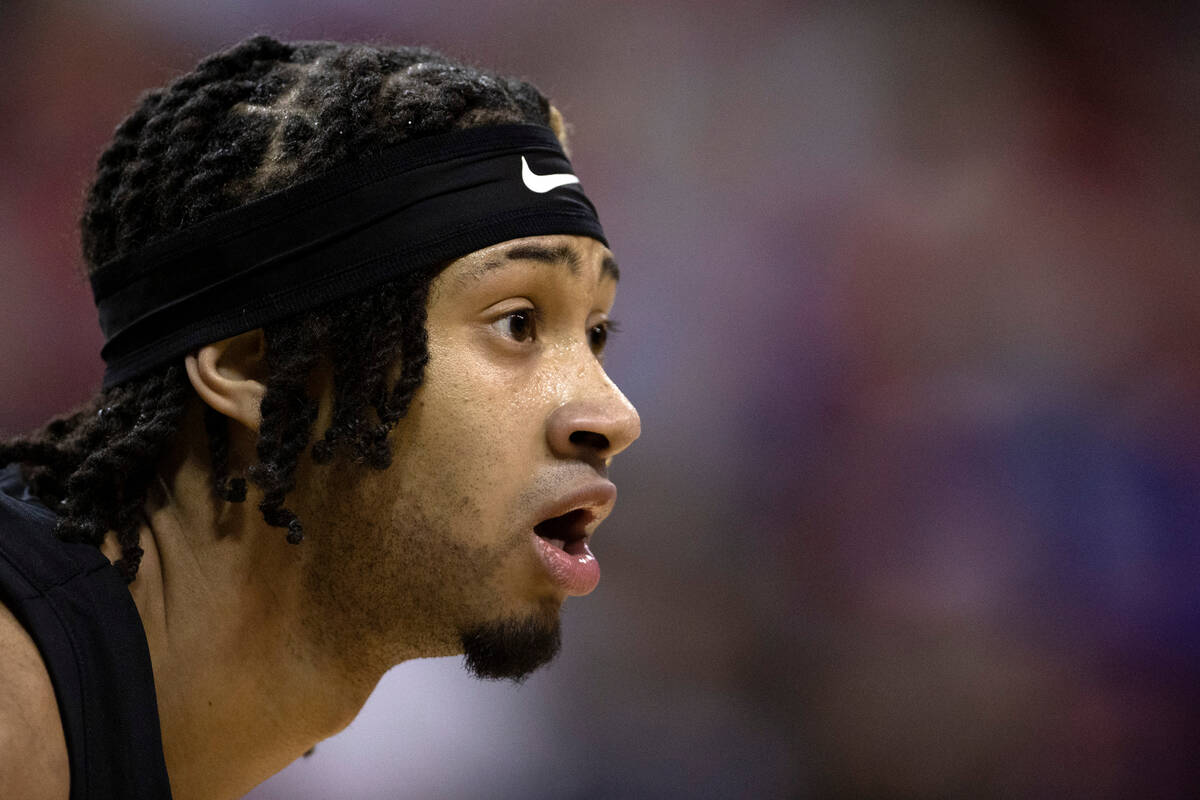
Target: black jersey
{"x":78,"y":611}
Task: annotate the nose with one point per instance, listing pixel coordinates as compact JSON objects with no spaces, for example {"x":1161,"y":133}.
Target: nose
{"x":595,"y":425}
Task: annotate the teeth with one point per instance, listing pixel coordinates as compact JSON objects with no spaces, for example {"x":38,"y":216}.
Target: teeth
{"x":550,"y":528}
{"x":570,"y":523}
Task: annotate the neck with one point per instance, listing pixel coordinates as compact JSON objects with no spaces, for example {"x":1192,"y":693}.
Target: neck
{"x":243,"y":685}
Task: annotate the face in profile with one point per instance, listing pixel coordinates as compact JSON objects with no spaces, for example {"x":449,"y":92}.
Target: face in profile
{"x":483,"y":525}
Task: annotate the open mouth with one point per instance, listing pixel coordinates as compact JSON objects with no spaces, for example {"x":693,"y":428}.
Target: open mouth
{"x":561,"y":539}
{"x":567,"y":532}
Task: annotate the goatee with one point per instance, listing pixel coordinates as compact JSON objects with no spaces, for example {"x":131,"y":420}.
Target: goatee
{"x":511,"y":649}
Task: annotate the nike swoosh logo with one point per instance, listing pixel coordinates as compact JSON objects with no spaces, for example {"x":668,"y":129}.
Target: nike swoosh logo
{"x":544,"y":183}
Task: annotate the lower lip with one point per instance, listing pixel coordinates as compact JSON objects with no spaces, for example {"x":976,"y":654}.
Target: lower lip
{"x":576,"y":573}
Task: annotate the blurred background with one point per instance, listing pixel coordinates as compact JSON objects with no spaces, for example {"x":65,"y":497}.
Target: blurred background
{"x":911,"y":312}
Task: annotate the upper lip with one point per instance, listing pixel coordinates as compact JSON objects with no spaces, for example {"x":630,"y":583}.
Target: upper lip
{"x":594,"y":499}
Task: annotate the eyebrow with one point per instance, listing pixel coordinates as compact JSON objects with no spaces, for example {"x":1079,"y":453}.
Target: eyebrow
{"x":561,"y":254}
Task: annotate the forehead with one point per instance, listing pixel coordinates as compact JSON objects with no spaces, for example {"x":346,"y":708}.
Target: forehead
{"x":577,"y":255}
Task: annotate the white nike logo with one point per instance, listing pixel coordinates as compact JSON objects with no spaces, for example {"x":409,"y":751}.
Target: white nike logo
{"x":544,"y":183}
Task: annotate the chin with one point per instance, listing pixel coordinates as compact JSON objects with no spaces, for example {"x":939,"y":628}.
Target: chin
{"x":511,"y":648}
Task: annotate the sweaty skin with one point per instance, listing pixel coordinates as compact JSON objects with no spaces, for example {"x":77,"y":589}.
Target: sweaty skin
{"x":260,"y":648}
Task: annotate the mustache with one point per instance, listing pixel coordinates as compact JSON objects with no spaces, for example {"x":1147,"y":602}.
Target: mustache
{"x":557,"y":481}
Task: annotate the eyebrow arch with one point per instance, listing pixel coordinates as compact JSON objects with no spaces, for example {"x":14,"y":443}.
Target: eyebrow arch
{"x":547,"y":255}
{"x":561,"y":254}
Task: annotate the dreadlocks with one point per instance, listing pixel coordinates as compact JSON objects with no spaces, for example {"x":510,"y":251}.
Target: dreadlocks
{"x":248,"y":121}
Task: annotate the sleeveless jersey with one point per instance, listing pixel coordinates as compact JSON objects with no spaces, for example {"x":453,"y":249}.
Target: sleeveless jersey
{"x":76,"y":607}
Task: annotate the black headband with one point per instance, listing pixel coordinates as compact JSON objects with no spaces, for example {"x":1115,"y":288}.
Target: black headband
{"x":415,"y":205}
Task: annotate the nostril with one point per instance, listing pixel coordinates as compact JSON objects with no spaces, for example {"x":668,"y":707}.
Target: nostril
{"x":590,"y":439}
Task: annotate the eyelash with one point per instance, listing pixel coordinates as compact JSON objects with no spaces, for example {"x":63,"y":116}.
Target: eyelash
{"x":608,"y":328}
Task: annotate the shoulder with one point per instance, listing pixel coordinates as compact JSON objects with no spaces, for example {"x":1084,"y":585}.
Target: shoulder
{"x":33,"y":749}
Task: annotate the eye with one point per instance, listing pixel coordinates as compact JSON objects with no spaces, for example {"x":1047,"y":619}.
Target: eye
{"x":520,"y":325}
{"x":598,"y":335}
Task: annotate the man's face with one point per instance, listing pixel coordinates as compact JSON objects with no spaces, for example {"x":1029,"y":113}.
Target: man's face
{"x":513,"y":428}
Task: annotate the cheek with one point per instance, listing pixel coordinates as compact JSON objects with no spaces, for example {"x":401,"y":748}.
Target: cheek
{"x":475,"y":399}
{"x":469,"y":442}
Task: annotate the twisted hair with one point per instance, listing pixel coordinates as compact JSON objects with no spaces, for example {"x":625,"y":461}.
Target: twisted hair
{"x":245,"y":122}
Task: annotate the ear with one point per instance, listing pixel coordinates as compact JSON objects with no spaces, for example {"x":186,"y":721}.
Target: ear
{"x":230,"y":376}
